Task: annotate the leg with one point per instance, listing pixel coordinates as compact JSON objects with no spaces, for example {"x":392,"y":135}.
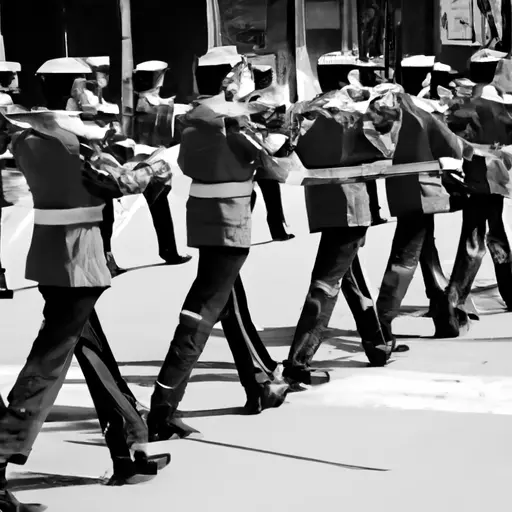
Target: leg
{"x":217,"y":270}
{"x":498,"y":244}
{"x":156,"y":196}
{"x":470,"y":253}
{"x":253,"y":362}
{"x":271,"y":192}
{"x":65,"y":313}
{"x":403,"y":261}
{"x":336,"y":252}
{"x":360,"y":302}
{"x":107,"y":230}
{"x":433,"y":275}
{"x":371,"y":186}
{"x":115,"y":404}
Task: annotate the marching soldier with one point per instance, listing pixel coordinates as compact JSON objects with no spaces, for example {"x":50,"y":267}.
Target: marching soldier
{"x":67,"y":261}
{"x":221,"y":163}
{"x":342,"y":214}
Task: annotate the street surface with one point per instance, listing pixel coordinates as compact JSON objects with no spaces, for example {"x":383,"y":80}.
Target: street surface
{"x":428,"y":432}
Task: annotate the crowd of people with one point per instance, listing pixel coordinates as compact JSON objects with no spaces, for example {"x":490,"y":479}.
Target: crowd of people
{"x":74,"y":136}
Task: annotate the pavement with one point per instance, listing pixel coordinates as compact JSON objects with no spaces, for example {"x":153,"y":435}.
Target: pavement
{"x":427,"y":432}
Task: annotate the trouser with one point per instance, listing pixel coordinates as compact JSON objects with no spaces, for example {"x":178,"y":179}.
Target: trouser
{"x":271,"y":192}
{"x":2,"y":270}
{"x":217,"y":272}
{"x":481,"y":210}
{"x":413,"y":242}
{"x":70,"y":326}
{"x":371,"y":187}
{"x":336,"y":267}
{"x":244,"y":341}
{"x":156,"y":195}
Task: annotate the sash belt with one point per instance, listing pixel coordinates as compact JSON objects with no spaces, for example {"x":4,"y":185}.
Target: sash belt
{"x":68,"y":217}
{"x":221,"y":190}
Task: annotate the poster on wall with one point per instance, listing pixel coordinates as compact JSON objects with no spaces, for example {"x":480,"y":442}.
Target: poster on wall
{"x":462,"y":22}
{"x":457,"y":21}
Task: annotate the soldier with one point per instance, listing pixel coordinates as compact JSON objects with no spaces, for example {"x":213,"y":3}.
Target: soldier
{"x":342,"y":214}
{"x":221,"y":163}
{"x":67,"y":261}
{"x":8,"y":82}
{"x":211,"y":70}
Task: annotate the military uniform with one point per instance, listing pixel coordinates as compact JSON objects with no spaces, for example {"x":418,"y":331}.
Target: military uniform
{"x":341,"y":213}
{"x":220,"y":163}
{"x":66,"y":260}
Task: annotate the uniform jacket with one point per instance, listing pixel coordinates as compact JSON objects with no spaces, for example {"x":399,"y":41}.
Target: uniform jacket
{"x":66,"y":248}
{"x":422,"y":138}
{"x":331,"y":206}
{"x":220,"y":162}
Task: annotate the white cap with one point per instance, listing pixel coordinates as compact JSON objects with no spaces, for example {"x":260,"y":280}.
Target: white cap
{"x":486,"y":55}
{"x":221,"y":55}
{"x":419,"y":61}
{"x":152,"y":65}
{"x":13,"y":67}
{"x":97,"y":62}
{"x":439,"y":66}
{"x":64,"y":66}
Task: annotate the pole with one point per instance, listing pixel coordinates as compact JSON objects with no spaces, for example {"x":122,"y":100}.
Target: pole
{"x":2,"y":47}
{"x":214,"y":24}
{"x":126,"y":67}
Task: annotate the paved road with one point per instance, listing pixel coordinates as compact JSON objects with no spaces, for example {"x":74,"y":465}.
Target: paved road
{"x":429,"y":431}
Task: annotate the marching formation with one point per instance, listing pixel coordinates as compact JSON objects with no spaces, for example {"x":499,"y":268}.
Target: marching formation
{"x":442,"y":150}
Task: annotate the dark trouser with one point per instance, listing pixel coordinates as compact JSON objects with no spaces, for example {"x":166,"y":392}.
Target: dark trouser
{"x":244,"y":341}
{"x":336,"y":266}
{"x":413,"y":242}
{"x":70,"y":326}
{"x":156,"y":196}
{"x":371,"y":187}
{"x":217,"y":272}
{"x":271,"y":192}
{"x":479,"y":211}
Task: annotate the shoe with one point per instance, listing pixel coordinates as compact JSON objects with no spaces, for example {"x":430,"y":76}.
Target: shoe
{"x":5,"y":293}
{"x":283,"y":238}
{"x":378,"y":355}
{"x":112,"y":265}
{"x":269,"y":396}
{"x":449,"y":320}
{"x":378,"y":221}
{"x":173,"y":428}
{"x":308,"y":376}
{"x":175,"y":259}
{"x":9,"y":503}
{"x":142,"y":469}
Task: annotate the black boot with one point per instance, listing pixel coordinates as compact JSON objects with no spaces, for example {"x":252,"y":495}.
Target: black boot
{"x":5,"y":293}
{"x":377,"y":352}
{"x":173,"y":258}
{"x":112,"y":265}
{"x":139,"y":470}
{"x":295,"y":376}
{"x":128,"y":471}
{"x":449,"y":319}
{"x":267,"y":396}
{"x":164,"y":425}
{"x":9,"y":503}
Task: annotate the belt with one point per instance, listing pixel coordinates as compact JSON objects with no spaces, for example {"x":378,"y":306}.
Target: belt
{"x":221,"y":190}
{"x":68,"y":217}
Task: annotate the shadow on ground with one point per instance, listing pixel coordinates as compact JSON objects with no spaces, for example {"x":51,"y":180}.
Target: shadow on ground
{"x":37,"y":481}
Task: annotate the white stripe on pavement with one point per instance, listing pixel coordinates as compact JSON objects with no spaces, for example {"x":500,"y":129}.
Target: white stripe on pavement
{"x":415,"y":391}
